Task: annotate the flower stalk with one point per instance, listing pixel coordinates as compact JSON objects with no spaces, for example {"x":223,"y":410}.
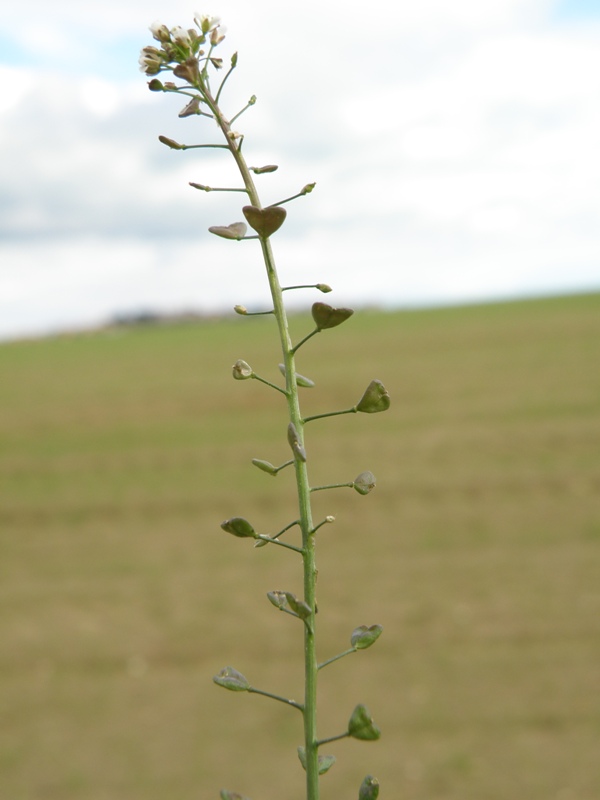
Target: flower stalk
{"x":189,"y":55}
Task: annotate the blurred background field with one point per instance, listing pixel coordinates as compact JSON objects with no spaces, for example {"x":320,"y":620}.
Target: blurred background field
{"x":479,"y":552}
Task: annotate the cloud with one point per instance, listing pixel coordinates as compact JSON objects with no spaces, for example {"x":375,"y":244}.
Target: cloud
{"x":453,"y":145}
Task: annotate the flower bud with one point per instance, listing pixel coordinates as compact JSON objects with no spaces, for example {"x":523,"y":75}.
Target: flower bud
{"x":308,"y":188}
{"x":241,"y":370}
{"x":323,"y":287}
{"x":241,"y":310}
{"x":155,"y":85}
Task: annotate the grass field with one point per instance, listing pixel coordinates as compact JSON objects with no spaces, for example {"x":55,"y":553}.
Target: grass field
{"x":479,"y":552}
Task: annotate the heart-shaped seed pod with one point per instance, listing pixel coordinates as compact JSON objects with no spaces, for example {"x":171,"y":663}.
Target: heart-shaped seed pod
{"x":265,"y":221}
{"x":237,"y":230}
{"x":325,"y":316}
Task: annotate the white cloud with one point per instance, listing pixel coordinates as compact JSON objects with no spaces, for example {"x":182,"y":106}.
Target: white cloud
{"x":454,"y":146}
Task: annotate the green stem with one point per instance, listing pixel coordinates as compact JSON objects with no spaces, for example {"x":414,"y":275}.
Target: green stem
{"x":333,"y":738}
{"x":333,"y":486}
{"x":220,"y":89}
{"x":285,"y":700}
{"x":299,"y":286}
{"x":302,"y":482}
{"x":200,"y":146}
{"x":352,"y":410}
{"x":287,"y":199}
{"x":335,"y":658}
{"x":204,"y":188}
{"x":283,"y":466}
{"x":272,"y":540}
{"x":306,"y":338}
{"x":268,"y":383}
{"x":239,"y":114}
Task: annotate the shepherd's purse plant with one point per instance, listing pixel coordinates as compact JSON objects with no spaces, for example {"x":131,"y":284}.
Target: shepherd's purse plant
{"x":189,"y":57}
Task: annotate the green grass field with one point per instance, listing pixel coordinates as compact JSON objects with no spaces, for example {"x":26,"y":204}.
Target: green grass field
{"x":479,"y":552}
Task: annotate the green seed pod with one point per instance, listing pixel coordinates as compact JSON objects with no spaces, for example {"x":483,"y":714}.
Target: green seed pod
{"x":361,"y":725}
{"x":171,"y":143}
{"x":193,"y":107}
{"x":324,"y":287}
{"x":240,"y":527}
{"x":298,"y":606}
{"x":305,"y":383}
{"x":241,"y":370}
{"x":278,"y":599}
{"x":364,"y":482}
{"x":230,"y":678}
{"x":263,"y":170}
{"x":374,"y":399}
{"x":325,"y":762}
{"x":226,"y":795}
{"x":325,"y":316}
{"x":294,"y":442}
{"x":363,"y":637}
{"x":266,"y":466}
{"x":155,"y":85}
{"x":237,"y":230}
{"x":369,"y":789}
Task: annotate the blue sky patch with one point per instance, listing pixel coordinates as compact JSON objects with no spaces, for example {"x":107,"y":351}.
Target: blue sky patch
{"x":576,"y":10}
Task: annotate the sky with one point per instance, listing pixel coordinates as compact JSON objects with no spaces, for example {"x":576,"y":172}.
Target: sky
{"x":455,"y":148}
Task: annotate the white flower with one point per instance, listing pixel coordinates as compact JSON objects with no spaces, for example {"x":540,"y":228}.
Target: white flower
{"x":181,"y":36}
{"x":150,"y":60}
{"x":160,"y":32}
{"x":216,"y":36}
{"x":206,"y":23}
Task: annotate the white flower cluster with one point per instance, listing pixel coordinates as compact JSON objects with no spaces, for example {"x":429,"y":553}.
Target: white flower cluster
{"x":178,"y":44}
